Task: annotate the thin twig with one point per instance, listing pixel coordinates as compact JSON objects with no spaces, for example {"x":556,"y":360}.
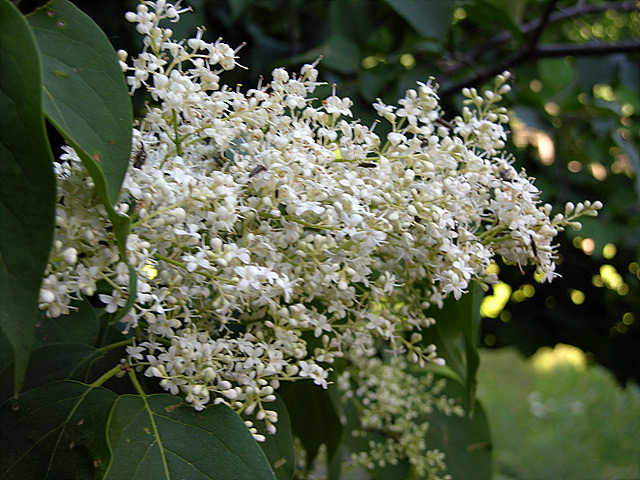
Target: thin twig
{"x":537,"y":33}
{"x":542,"y":51}
{"x":590,"y":49}
{"x":506,"y":36}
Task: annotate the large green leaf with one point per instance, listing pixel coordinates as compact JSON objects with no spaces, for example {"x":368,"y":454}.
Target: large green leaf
{"x":81,"y":325}
{"x":341,"y":54}
{"x":465,"y":441}
{"x":455,"y":336}
{"x":85,"y":91}
{"x":86,"y":100}
{"x":314,"y":419}
{"x":27,"y":185}
{"x":430,"y":18}
{"x":487,"y":14}
{"x":342,"y":15}
{"x":593,"y":70}
{"x":49,"y":363}
{"x":55,"y":432}
{"x":556,"y":73}
{"x":157,"y":437}
{"x":278,"y":448}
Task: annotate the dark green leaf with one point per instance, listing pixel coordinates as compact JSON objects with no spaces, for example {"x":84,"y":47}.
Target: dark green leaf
{"x":556,"y":73}
{"x":277,"y":448}
{"x":630,"y":149}
{"x":373,"y":84}
{"x":158,"y":438}
{"x":594,"y":70}
{"x":27,"y":185}
{"x":237,"y":8}
{"x":488,"y":14}
{"x":455,"y":336}
{"x":55,"y":432}
{"x":80,"y":326}
{"x":430,"y":18}
{"x":314,"y":419}
{"x":6,"y":351}
{"x":352,"y":19}
{"x":85,"y":91}
{"x":629,"y":73}
{"x":464,"y":440}
{"x":340,"y":54}
{"x":86,"y":100}
{"x":49,"y":363}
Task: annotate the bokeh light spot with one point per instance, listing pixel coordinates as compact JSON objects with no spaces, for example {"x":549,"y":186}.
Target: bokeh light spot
{"x":493,"y":304}
{"x":574,"y":166}
{"x":588,"y":245}
{"x":577,"y":297}
{"x":609,"y":251}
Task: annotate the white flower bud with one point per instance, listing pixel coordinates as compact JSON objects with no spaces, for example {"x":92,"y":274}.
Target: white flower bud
{"x":131,"y":17}
{"x":47,"y":296}
{"x":70,"y":256}
{"x":231,"y":394}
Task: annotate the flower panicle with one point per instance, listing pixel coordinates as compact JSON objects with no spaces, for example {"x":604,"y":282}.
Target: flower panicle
{"x":263,"y":219}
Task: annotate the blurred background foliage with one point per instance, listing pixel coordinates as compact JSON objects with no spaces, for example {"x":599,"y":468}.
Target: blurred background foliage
{"x":555,"y":416}
{"x":576,"y":124}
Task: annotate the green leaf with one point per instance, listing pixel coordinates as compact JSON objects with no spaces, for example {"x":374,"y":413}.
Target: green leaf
{"x":49,"y":363}
{"x":455,"y":336}
{"x":86,"y":100}
{"x":430,"y":18}
{"x":81,"y":325}
{"x":340,"y":54}
{"x":629,"y":73}
{"x":27,"y":185}
{"x":556,"y":73}
{"x":631,"y":151}
{"x":6,"y":351}
{"x":488,"y":13}
{"x":237,"y":8}
{"x":156,"y":437}
{"x":55,"y":432}
{"x":465,"y":441}
{"x":314,"y":419}
{"x":277,"y":448}
{"x":593,"y":70}
{"x":85,"y":91}
{"x":352,"y":19}
{"x":374,"y":84}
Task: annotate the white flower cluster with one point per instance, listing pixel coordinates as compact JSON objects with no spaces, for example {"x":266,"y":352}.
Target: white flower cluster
{"x":271,"y":233}
{"x":396,"y":406}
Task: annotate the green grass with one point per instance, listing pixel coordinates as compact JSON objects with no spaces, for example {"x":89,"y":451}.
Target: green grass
{"x":555,"y":417}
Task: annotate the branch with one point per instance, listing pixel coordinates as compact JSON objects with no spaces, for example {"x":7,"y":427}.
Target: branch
{"x":537,"y":33}
{"x":505,"y":37}
{"x":543,"y":51}
{"x":586,"y":49}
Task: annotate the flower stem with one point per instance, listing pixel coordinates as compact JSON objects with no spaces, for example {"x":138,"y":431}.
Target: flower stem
{"x":111,"y":373}
{"x":199,"y":272}
{"x":158,"y":212}
{"x":113,"y":346}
